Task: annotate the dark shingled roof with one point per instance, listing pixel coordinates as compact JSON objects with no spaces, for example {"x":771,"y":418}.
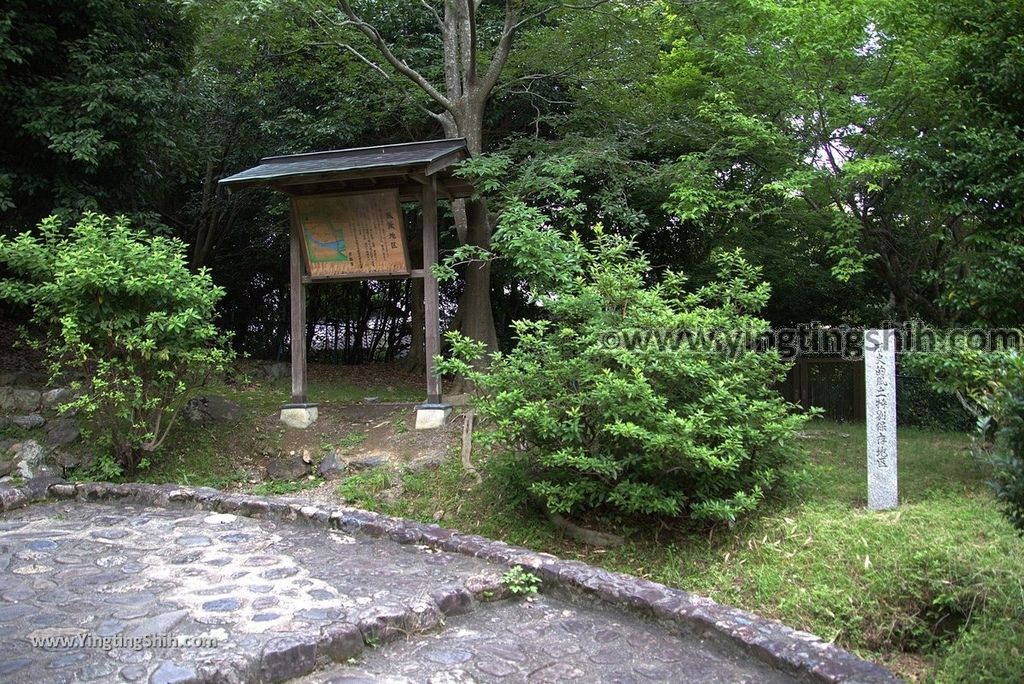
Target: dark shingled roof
{"x":353,"y":160}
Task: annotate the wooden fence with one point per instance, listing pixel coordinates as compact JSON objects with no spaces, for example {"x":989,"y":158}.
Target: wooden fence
{"x":833,"y":384}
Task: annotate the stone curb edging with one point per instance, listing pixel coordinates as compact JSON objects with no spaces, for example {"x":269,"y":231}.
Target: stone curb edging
{"x":798,"y":653}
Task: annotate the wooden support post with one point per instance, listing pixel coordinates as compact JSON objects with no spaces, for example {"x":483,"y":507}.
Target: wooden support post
{"x":804,"y":369}
{"x":298,"y":314}
{"x":432,"y":333}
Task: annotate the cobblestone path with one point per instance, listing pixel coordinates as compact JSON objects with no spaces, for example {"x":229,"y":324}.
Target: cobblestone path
{"x":545,"y":640}
{"x":97,"y":592}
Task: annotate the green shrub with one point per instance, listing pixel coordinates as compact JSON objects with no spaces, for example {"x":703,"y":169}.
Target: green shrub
{"x":125,"y":321}
{"x":993,"y":382}
{"x":1006,"y":404}
{"x":918,"y":404}
{"x":645,"y":429}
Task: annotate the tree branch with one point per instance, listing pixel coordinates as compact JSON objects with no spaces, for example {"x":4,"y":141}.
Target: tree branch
{"x":365,"y":60}
{"x":586,"y":7}
{"x":502,"y":51}
{"x":439,"y":118}
{"x":470,"y":66}
{"x":569,"y":69}
{"x":437,"y":17}
{"x":374,"y":35}
{"x":380,"y":70}
{"x":512,"y":25}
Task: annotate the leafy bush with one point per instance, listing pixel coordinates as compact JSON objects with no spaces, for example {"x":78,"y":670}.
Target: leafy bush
{"x":918,"y":404}
{"x":640,"y":429}
{"x":125,"y":321}
{"x":520,"y":581}
{"x":993,"y":383}
{"x":1006,"y":404}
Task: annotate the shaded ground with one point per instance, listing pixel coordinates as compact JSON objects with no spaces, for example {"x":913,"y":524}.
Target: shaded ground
{"x":366,"y":414}
{"x":814,"y":558}
{"x":268,"y":601}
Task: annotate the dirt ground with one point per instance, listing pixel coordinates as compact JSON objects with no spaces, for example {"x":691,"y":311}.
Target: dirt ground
{"x":364,"y":431}
{"x":366,"y":420}
{"x":366,"y":436}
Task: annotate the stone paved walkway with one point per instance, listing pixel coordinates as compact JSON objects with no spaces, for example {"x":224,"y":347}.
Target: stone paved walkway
{"x":550,"y":641}
{"x":90,"y":591}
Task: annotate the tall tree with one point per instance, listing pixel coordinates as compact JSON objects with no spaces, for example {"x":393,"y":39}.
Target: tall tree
{"x":973,"y":158}
{"x":476,"y":43}
{"x":261,"y":85}
{"x":86,"y":93}
{"x":826,"y":144}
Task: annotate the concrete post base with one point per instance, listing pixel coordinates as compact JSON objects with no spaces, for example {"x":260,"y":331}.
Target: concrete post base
{"x":431,"y":416}
{"x":299,"y":416}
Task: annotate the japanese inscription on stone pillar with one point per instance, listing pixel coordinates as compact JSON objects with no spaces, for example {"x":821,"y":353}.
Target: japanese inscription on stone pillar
{"x":880,"y":392}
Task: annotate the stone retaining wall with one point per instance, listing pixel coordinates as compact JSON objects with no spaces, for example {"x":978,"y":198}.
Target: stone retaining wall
{"x":39,"y":440}
{"x":793,"y":651}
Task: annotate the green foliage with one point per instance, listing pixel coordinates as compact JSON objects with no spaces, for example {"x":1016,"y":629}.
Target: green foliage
{"x":362,"y":489}
{"x":973,"y":157}
{"x":1008,"y":467}
{"x":520,"y":582}
{"x":125,"y":321}
{"x":993,"y":382}
{"x":821,"y":152}
{"x":106,"y":468}
{"x":873,"y":140}
{"x":918,"y":404}
{"x":1007,"y":408}
{"x":633,"y":426}
{"x":87,"y":93}
{"x":533,"y":207}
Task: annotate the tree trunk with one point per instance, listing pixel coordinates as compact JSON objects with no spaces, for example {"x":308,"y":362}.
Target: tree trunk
{"x":416,"y":361}
{"x":467,"y":86}
{"x":475,"y":316}
{"x":313,"y":295}
{"x":363,"y":322}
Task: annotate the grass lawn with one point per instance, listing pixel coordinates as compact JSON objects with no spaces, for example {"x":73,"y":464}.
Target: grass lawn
{"x":933,"y":590}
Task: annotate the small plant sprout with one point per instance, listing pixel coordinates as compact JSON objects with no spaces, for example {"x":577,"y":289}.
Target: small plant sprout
{"x":352,"y":439}
{"x":520,"y":582}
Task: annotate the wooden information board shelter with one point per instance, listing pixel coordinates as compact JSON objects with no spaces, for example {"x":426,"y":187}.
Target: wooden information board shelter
{"x":346,"y":224}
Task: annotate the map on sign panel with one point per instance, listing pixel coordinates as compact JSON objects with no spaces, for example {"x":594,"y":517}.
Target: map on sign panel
{"x":353,"y":235}
{"x":327,"y":240}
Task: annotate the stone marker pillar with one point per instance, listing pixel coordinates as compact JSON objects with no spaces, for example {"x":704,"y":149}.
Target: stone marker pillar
{"x":880,"y":393}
